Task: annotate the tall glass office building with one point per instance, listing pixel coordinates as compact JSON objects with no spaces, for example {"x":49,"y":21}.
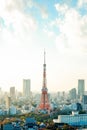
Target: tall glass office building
{"x":26,"y":87}
{"x":81,"y":87}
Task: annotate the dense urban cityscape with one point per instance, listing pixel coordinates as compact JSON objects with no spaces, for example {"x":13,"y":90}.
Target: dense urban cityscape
{"x":21,"y":110}
{"x":17,"y":103}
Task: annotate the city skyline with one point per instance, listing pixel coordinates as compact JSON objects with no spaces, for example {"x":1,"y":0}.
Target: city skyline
{"x":27,"y":27}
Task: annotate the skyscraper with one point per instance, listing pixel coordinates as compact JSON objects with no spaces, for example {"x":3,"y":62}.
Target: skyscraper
{"x":84,"y":102}
{"x":72,"y":93}
{"x":44,"y":103}
{"x":8,"y":102}
{"x":26,"y":87}
{"x":81,"y":87}
{"x":12,"y":92}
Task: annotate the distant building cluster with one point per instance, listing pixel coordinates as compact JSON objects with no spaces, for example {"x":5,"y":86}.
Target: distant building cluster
{"x":11,"y":101}
{"x":16,"y":102}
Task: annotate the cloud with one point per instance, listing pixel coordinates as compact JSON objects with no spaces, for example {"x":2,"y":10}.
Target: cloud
{"x":12,"y":13}
{"x":44,"y":13}
{"x":61,"y":8}
{"x":16,"y":27}
{"x":73,"y":30}
{"x":82,"y":3}
{"x":20,"y":5}
{"x":42,"y":9}
{"x":15,"y":17}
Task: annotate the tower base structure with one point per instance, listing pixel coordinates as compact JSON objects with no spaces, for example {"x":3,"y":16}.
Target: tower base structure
{"x":44,"y":104}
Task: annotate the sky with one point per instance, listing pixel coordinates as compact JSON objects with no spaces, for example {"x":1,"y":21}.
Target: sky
{"x":29,"y":26}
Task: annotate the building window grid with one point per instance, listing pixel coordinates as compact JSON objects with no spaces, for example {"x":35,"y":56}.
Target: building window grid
{"x":76,"y":119}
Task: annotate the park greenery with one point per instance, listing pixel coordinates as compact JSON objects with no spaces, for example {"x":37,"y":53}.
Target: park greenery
{"x":39,"y":117}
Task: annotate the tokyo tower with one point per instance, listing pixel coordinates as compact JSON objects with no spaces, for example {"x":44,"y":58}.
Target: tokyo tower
{"x":44,"y":103}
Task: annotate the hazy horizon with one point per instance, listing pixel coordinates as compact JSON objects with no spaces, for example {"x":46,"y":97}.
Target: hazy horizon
{"x":27,"y":27}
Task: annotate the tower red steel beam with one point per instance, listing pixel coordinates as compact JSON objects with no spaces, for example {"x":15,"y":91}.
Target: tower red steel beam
{"x":44,"y":103}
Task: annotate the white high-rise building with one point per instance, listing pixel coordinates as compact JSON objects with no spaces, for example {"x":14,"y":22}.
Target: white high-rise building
{"x":12,"y":92}
{"x":8,"y":102}
{"x":75,"y":119}
{"x":26,"y":87}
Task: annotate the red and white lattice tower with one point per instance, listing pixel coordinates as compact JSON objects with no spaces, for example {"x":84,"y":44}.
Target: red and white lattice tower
{"x":44,"y":103}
